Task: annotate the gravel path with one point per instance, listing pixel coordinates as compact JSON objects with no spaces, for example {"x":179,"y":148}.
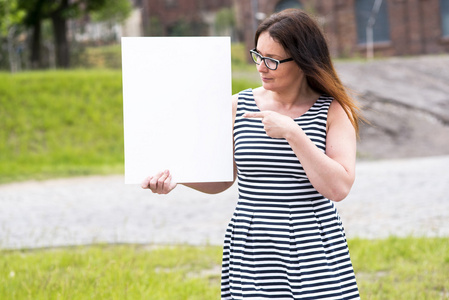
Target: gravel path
{"x":398,"y":197}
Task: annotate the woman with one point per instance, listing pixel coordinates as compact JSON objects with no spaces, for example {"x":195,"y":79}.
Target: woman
{"x":294,"y":152}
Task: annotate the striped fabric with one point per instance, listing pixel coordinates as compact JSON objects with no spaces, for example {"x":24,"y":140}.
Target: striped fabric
{"x":285,"y":240}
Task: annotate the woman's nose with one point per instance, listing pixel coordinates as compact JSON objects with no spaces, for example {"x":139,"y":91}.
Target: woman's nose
{"x":262,"y":67}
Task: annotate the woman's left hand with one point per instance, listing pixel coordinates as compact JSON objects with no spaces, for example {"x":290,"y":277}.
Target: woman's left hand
{"x":275,"y":124}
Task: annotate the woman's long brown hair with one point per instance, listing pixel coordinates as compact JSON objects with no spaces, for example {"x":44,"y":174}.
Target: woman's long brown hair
{"x":303,"y":39}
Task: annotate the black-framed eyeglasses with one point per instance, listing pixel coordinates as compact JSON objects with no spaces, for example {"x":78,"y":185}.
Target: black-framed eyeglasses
{"x":270,"y":63}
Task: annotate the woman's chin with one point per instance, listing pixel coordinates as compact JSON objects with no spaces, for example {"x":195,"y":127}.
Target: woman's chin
{"x":268,"y":85}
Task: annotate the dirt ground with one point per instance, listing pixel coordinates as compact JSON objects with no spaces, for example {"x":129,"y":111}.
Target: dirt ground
{"x":406,"y":101}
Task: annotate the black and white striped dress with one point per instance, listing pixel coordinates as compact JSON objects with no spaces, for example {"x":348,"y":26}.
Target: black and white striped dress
{"x":285,"y":240}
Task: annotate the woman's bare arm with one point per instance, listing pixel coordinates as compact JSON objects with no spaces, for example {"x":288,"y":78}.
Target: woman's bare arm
{"x":332,"y":173}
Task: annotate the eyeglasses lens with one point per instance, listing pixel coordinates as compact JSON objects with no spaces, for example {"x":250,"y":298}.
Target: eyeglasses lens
{"x":257,"y":59}
{"x":269,"y":63}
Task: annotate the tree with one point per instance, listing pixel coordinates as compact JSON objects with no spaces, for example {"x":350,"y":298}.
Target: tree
{"x":59,"y":12}
{"x":11,"y":19}
{"x":116,"y":11}
{"x":225,"y":21}
{"x":32,"y":20}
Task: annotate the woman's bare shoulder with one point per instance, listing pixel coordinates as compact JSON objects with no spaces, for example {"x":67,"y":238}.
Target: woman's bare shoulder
{"x":338,"y":118}
{"x":235,"y":100}
{"x":336,"y":111}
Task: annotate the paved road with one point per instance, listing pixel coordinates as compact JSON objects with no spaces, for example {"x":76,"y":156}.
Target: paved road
{"x":399,"y":197}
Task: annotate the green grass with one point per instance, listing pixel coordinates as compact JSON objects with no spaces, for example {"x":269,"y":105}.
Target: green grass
{"x":402,"y":268}
{"x":111,"y":272}
{"x":63,"y":123}
{"x":393,"y":268}
{"x":60,"y":123}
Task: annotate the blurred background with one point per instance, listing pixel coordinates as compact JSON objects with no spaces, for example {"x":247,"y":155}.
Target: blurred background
{"x":391,"y":53}
{"x":61,"y":148}
{"x":86,"y":33}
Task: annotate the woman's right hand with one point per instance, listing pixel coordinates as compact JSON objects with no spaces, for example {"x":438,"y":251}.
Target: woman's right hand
{"x":161,"y":183}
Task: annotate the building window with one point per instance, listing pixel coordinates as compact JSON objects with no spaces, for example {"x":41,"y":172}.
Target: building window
{"x":444,"y":9}
{"x":284,"y":4}
{"x":381,"y":28}
{"x":171,"y":3}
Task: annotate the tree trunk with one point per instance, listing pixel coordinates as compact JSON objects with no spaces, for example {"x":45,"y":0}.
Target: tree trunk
{"x":11,"y":53}
{"x":61,"y":42}
{"x":36,"y":46}
{"x":60,"y":33}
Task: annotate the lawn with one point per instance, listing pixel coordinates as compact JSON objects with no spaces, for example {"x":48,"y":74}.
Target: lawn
{"x":393,"y":268}
{"x":60,"y":123}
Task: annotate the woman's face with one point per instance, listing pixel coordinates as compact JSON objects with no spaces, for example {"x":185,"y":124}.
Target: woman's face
{"x":287,"y":74}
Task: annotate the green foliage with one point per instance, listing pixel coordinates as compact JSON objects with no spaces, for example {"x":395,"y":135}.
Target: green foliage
{"x":10,"y":15}
{"x":114,"y":11}
{"x":187,"y":28}
{"x":38,"y":10}
{"x":101,"y":57}
{"x":59,"y":11}
{"x":224,"y":20}
{"x":155,"y":27}
{"x":393,"y":268}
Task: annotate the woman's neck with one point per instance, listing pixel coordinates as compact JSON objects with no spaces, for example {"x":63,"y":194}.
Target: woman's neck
{"x":287,"y":99}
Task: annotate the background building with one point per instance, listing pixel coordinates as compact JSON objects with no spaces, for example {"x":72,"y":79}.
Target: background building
{"x":397,"y":27}
{"x":181,"y":17}
{"x":401,"y":27}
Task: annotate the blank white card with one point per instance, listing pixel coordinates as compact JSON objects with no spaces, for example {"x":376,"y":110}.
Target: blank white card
{"x":177,"y":108}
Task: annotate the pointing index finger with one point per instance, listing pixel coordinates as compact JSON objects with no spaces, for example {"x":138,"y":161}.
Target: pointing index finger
{"x":254,"y":115}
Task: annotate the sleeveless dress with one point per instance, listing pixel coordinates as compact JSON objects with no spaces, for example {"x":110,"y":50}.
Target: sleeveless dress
{"x":285,"y":240}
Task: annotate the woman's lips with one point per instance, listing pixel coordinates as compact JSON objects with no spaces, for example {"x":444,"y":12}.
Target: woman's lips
{"x":266,"y":79}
